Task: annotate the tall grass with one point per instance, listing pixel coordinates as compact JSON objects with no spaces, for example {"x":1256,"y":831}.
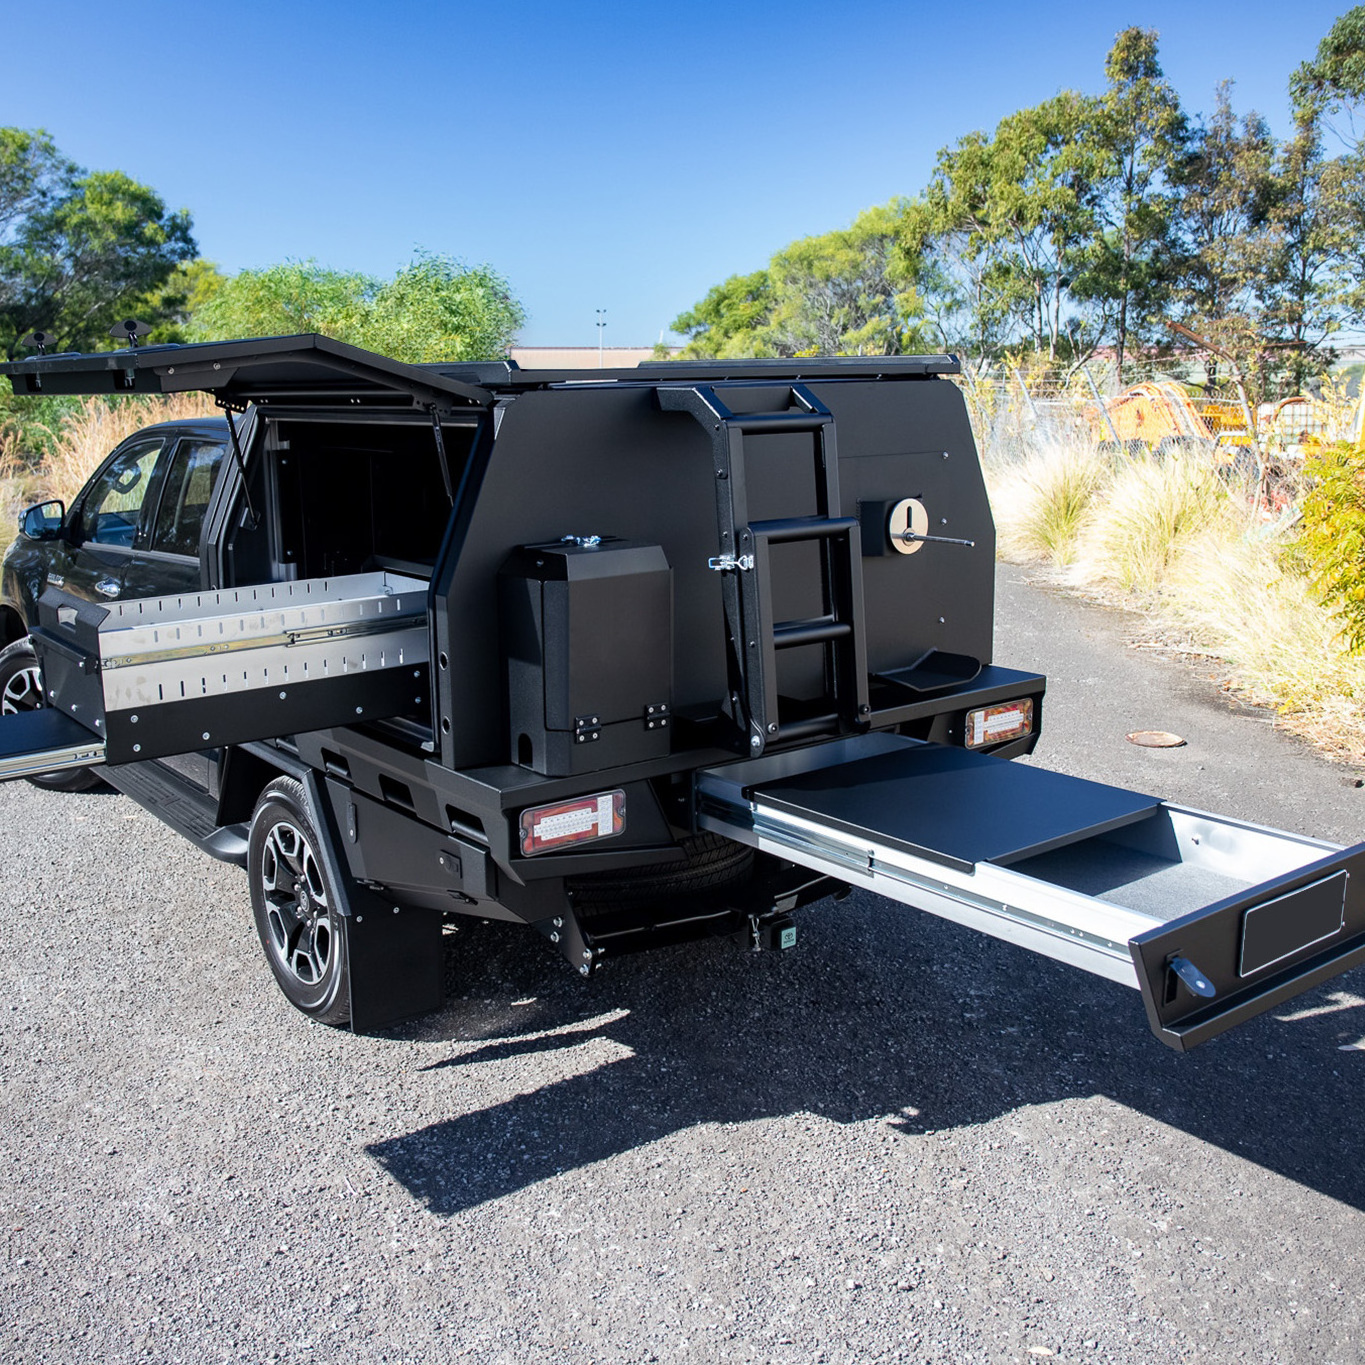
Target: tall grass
{"x":38,"y":461}
{"x":1042,"y":503}
{"x":1186,"y":543}
{"x":1140,"y":521}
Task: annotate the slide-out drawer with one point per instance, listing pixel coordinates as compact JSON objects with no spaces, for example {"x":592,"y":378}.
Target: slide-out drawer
{"x":1213,"y":919}
{"x":156,"y":677}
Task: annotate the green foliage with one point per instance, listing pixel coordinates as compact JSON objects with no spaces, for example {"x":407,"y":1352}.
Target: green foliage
{"x":1334,"y":81}
{"x":1224,"y":188}
{"x":1017,"y":209}
{"x":185,"y":294}
{"x":849,"y":292}
{"x":1332,"y":541}
{"x":79,"y":250}
{"x":1137,"y":137}
{"x":438,"y":309}
{"x":854,"y":291}
{"x":433,"y":309}
{"x":727,"y":323}
{"x":1094,"y":220}
{"x":32,"y":173}
{"x":289,"y":299}
{"x":1301,"y":294}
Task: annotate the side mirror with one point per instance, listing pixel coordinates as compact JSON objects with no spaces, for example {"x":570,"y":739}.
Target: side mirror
{"x":43,"y":521}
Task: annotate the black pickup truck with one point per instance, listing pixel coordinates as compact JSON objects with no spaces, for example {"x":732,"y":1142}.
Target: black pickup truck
{"x":628,"y":657}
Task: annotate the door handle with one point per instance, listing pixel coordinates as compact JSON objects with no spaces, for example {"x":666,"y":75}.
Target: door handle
{"x":108,"y":586}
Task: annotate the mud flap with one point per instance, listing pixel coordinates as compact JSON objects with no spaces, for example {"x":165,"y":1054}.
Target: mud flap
{"x":397,"y":953}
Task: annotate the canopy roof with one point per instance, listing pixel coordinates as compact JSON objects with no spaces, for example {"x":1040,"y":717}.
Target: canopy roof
{"x":316,"y":371}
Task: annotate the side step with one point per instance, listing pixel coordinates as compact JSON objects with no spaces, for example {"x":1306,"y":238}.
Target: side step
{"x":182,"y":806}
{"x":45,"y":741}
{"x":1212,"y":919}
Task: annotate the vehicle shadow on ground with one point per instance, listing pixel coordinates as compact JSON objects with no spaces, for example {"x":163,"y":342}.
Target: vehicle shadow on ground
{"x":879,"y":1012}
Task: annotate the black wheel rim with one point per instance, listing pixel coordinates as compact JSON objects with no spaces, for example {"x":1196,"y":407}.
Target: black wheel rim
{"x":298,"y":916}
{"x":23,"y":691}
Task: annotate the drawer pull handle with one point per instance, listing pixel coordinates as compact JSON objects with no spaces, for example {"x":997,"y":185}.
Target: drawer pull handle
{"x":1193,"y":977}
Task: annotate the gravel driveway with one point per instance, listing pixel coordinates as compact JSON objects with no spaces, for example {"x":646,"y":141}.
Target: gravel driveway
{"x":900,"y":1141}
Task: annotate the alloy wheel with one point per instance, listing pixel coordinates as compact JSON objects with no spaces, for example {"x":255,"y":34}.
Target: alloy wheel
{"x":297,"y":912}
{"x":23,"y":692}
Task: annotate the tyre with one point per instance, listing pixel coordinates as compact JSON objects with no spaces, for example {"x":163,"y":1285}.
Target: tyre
{"x":294,"y":905}
{"x":21,"y":689}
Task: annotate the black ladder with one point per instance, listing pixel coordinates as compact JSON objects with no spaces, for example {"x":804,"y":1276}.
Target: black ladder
{"x":744,"y":563}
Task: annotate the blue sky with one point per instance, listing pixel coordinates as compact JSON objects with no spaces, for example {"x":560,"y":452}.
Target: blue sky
{"x":613,"y":156}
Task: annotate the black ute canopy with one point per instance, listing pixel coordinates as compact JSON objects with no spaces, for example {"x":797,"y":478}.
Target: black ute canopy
{"x":315,"y":371}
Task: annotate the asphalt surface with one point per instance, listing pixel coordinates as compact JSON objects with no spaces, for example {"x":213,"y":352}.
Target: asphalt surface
{"x":899,"y":1141}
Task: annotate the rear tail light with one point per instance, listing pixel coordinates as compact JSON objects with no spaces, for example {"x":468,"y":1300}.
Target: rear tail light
{"x":565,"y":823}
{"x":995,"y":724}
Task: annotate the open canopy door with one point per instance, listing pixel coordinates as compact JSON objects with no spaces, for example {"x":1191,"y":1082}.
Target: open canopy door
{"x":292,"y":370}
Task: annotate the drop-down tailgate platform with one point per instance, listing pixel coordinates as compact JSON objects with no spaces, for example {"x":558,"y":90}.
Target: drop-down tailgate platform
{"x":155,"y":677}
{"x":1212,"y":919}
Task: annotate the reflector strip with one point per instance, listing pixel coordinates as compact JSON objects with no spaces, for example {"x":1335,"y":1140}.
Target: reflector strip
{"x":993,"y":724}
{"x":572,"y":822}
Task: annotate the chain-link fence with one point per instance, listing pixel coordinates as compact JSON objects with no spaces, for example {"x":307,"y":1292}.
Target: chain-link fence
{"x":1168,"y":407}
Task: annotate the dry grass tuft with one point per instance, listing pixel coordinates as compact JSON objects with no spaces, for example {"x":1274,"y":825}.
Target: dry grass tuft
{"x":1180,"y":542}
{"x":1142,"y":520}
{"x":95,"y":428}
{"x":1042,"y":504}
{"x":1233,"y":590}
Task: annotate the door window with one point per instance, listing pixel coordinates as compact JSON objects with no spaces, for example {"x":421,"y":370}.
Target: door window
{"x":112,"y":509}
{"x":185,"y":497}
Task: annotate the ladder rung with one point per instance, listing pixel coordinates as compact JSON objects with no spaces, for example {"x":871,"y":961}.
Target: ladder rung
{"x":817,"y":631}
{"x":778,"y":421}
{"x":802,"y":528}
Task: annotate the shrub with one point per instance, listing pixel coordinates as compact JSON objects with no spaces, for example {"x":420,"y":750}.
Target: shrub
{"x":1041,"y":504}
{"x":1332,"y":541}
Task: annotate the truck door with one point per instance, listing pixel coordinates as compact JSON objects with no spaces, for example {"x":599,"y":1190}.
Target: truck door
{"x":165,"y":556}
{"x":106,"y":522}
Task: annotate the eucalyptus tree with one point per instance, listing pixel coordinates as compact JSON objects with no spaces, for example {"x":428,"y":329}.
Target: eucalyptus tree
{"x":727,"y":323}
{"x":1018,"y":206}
{"x":1333,"y":83}
{"x":80,"y":249}
{"x":1224,"y":190}
{"x":1136,"y":140}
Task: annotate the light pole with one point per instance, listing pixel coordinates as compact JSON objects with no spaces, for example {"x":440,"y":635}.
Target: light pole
{"x":601,"y":323}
